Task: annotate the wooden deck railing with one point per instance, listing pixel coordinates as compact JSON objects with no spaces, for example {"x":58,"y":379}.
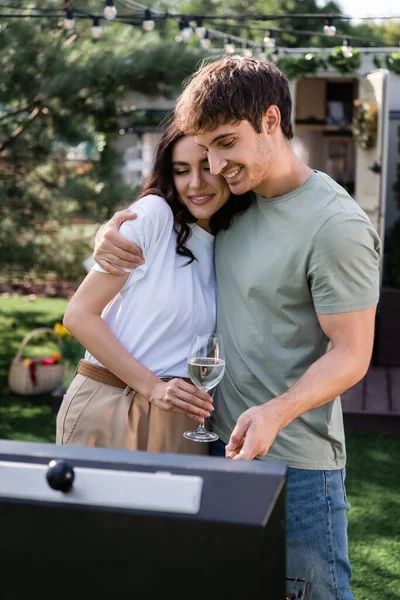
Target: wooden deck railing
{"x":373,"y":404}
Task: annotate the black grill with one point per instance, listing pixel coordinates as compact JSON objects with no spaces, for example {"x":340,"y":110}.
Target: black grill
{"x":233,"y":521}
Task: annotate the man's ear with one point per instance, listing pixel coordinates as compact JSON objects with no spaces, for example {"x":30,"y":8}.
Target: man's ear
{"x":272,"y":119}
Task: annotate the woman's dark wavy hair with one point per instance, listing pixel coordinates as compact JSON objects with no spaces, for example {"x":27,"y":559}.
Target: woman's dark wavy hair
{"x":161,"y":182}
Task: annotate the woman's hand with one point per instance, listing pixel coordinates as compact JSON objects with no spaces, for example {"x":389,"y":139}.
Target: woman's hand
{"x":183,"y":398}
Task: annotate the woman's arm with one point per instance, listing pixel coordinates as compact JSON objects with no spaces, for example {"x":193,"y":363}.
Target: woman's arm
{"x":83,"y":319}
{"x":114,"y":252}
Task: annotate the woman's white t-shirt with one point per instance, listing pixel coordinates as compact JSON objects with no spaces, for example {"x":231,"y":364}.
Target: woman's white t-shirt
{"x":163,"y":303}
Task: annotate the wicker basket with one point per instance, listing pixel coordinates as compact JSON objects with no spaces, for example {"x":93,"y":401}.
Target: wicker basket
{"x":44,"y":379}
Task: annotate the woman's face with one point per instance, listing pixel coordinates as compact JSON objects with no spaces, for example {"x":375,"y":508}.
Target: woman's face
{"x":202,"y":193}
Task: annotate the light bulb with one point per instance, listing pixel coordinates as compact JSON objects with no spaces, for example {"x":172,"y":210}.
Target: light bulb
{"x":275,"y":56}
{"x":329,"y":28}
{"x":110,"y":12}
{"x":96,"y":29}
{"x":69,"y":24}
{"x":148,"y":23}
{"x":205,"y":43}
{"x":229,"y":47}
{"x":269,"y":40}
{"x":186,"y":33}
{"x":347,"y":50}
{"x":69,"y":21}
{"x":247,"y":52}
{"x":201,"y":32}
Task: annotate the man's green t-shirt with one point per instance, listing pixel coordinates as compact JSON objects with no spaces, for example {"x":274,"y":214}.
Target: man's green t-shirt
{"x":283,"y":261}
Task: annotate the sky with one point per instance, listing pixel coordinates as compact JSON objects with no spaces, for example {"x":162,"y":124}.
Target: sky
{"x":374,"y":8}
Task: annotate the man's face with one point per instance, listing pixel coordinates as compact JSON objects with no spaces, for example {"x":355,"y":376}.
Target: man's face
{"x":238,"y":153}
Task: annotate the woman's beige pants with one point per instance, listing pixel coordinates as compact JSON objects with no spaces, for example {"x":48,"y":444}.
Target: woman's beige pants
{"x":97,"y":414}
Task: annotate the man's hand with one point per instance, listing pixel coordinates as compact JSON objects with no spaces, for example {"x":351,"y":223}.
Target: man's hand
{"x":112,"y":251}
{"x":255,"y":432}
{"x":182,"y":397}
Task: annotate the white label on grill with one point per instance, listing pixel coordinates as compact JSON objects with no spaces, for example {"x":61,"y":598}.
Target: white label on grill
{"x":161,"y":491}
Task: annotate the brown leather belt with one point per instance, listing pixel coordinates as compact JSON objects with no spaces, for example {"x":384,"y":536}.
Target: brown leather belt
{"x":103,"y":375}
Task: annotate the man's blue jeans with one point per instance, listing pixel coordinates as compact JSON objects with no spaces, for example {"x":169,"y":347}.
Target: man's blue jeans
{"x":316,"y":536}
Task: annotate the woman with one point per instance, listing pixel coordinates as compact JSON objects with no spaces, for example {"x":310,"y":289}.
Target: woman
{"x":131,"y":390}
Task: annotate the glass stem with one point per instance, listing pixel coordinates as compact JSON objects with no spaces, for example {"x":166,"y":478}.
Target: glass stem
{"x":201,"y":428}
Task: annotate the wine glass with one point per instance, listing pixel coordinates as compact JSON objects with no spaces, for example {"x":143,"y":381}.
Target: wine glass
{"x":206,"y":367}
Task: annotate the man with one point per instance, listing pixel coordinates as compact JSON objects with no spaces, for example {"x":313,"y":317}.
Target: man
{"x":298,"y":285}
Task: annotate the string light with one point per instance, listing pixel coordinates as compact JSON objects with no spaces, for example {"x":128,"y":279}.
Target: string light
{"x":347,"y":50}
{"x":186,"y":30}
{"x":148,"y":23}
{"x":269,"y":40}
{"x":303,"y":32}
{"x":205,"y":42}
{"x":275,"y":56}
{"x":200,"y":29}
{"x":229,"y":46}
{"x":247,"y":50}
{"x":96,"y":29}
{"x":329,"y":28}
{"x":69,"y":21}
{"x":110,"y":12}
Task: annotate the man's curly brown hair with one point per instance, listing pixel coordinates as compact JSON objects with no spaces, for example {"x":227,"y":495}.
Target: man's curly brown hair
{"x":233,"y":89}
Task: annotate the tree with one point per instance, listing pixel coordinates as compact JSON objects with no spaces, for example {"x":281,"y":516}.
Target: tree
{"x":58,"y":90}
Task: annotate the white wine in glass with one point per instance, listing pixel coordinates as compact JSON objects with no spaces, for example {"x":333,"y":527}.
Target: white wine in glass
{"x":206,"y":367}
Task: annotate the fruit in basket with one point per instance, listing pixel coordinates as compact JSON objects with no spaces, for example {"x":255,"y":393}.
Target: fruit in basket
{"x":47,"y":360}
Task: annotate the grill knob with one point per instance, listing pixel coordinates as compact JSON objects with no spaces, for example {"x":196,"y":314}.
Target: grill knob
{"x":60,"y":475}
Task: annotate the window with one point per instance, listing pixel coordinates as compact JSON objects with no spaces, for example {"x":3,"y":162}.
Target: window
{"x":133,"y":168}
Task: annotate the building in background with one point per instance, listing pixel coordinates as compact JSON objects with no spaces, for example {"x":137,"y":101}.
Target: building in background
{"x":139,"y":136}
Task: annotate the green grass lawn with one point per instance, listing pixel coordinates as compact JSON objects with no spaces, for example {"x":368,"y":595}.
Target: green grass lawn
{"x":28,"y":418}
{"x":373,"y":488}
{"x":373,"y":468}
